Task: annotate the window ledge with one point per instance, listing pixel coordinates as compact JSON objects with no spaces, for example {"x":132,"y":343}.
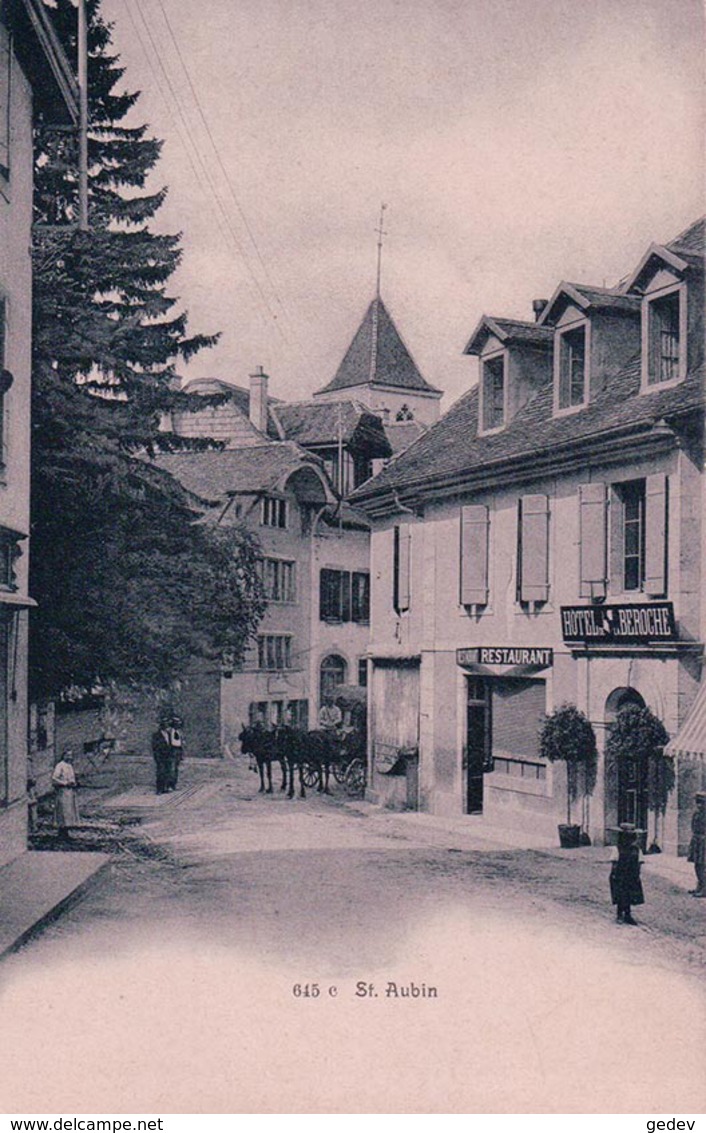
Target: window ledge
{"x":491,"y":432}
{"x":500,"y":782}
{"x":654,"y":387}
{"x":569,"y":410}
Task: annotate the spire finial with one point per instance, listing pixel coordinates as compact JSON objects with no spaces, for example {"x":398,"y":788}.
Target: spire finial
{"x":374,"y":340}
{"x":380,"y":233}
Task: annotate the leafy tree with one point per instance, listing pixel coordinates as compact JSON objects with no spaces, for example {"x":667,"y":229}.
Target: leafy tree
{"x":638,"y":735}
{"x":568,"y":735}
{"x":128,"y":585}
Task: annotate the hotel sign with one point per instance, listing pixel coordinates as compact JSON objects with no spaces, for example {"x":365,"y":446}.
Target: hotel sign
{"x":636,"y":624}
{"x":505,"y":656}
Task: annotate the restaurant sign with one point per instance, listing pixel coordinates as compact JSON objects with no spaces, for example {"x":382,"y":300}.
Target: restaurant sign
{"x":637,"y":624}
{"x":505,"y":656}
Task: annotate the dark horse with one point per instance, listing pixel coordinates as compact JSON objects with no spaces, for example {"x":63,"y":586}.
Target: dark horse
{"x":283,"y":745}
{"x":322,"y":748}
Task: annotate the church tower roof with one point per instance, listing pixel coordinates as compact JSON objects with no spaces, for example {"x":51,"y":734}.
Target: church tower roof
{"x":377,"y":356}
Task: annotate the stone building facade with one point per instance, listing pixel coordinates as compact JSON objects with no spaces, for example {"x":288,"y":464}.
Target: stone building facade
{"x":544,"y":544}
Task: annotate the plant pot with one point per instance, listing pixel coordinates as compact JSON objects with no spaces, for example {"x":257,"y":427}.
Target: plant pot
{"x":569,"y":836}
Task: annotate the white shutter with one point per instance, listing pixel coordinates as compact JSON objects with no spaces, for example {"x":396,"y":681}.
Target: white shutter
{"x":403,"y":537}
{"x":656,"y":535}
{"x":535,"y":549}
{"x":474,"y":555}
{"x":593,"y":517}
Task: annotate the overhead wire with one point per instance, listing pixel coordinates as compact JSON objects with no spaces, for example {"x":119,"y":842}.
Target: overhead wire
{"x":216,"y":151}
{"x":187,"y":139}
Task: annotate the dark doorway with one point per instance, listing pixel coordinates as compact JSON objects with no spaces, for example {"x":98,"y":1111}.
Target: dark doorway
{"x":477,"y":741}
{"x":631,"y":774}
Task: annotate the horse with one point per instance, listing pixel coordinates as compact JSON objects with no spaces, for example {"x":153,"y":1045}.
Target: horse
{"x":289,"y":749}
{"x":257,"y":741}
{"x":322,"y":748}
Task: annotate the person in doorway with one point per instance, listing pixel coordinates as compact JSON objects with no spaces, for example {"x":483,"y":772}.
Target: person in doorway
{"x":63,"y":781}
{"x":329,"y":715}
{"x":697,"y":845}
{"x":625,"y":883}
{"x":162,"y":755}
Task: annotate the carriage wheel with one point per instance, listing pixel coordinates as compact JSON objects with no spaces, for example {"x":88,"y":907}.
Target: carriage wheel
{"x":340,"y":770}
{"x":355,"y":777}
{"x":310,"y":774}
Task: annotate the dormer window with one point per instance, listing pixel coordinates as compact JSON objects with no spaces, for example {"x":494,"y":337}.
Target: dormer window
{"x":572,"y":368}
{"x":663,"y":339}
{"x":493,"y":393}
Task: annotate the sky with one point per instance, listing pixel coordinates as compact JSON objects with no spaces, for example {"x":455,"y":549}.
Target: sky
{"x":515,"y":143}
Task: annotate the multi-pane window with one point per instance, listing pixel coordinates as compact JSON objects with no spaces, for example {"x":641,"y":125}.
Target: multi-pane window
{"x":274,"y":651}
{"x":493,"y":393}
{"x":278,"y":579}
{"x":271,"y":713}
{"x":273,"y":512}
{"x":344,"y":596}
{"x":9,"y":552}
{"x":632,"y":496}
{"x":572,"y":368}
{"x":363,"y":672}
{"x":663,"y":336}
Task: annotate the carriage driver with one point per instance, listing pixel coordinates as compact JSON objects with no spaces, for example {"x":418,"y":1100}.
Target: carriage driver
{"x":330,"y":717}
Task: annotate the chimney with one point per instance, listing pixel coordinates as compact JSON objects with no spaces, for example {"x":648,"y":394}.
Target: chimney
{"x":258,"y":399}
{"x":538,"y":306}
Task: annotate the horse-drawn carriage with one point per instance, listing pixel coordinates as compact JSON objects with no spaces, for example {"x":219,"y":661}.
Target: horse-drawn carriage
{"x":314,"y":755}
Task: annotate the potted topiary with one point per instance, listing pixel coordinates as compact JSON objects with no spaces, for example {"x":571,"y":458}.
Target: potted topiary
{"x":568,"y":735}
{"x":639,"y":736}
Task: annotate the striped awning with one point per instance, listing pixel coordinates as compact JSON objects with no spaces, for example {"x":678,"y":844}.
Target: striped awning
{"x":690,"y":740}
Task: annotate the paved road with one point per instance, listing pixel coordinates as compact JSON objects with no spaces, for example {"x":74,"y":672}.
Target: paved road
{"x":173,"y":985}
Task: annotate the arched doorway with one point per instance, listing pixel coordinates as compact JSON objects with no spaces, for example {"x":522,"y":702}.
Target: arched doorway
{"x":627,"y":777}
{"x":331,"y":674}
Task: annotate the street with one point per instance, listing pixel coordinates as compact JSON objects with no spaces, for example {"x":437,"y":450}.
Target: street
{"x":246,"y":953}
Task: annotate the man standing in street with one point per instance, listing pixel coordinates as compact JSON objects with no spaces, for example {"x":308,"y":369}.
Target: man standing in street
{"x":162,"y":754}
{"x":697,"y":846}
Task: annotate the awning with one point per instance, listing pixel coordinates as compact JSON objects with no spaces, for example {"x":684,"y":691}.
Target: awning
{"x":690,"y":740}
{"x":10,"y":598}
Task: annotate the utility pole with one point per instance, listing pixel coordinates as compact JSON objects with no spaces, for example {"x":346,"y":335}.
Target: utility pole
{"x":83,"y":117}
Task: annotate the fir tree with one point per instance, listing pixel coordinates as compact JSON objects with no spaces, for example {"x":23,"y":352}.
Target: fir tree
{"x":128,"y":586}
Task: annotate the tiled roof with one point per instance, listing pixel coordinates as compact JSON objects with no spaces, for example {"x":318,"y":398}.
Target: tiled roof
{"x":401,"y":434}
{"x":452,"y":448}
{"x":691,"y":240}
{"x":589,"y":298}
{"x":347,"y":516}
{"x":237,"y":394}
{"x":378,"y":356}
{"x":312,"y":423}
{"x":211,"y":475}
{"x":507,"y":330}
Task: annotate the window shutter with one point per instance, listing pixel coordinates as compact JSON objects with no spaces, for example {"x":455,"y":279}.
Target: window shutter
{"x":345,"y":585}
{"x":593,"y":518}
{"x":474,"y":555}
{"x":535,"y":549}
{"x":403,"y":538}
{"x":328,"y":581}
{"x":656,"y":535}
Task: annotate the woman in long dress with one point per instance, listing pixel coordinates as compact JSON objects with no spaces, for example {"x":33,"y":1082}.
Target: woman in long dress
{"x":65,"y":805}
{"x":625,"y":882}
